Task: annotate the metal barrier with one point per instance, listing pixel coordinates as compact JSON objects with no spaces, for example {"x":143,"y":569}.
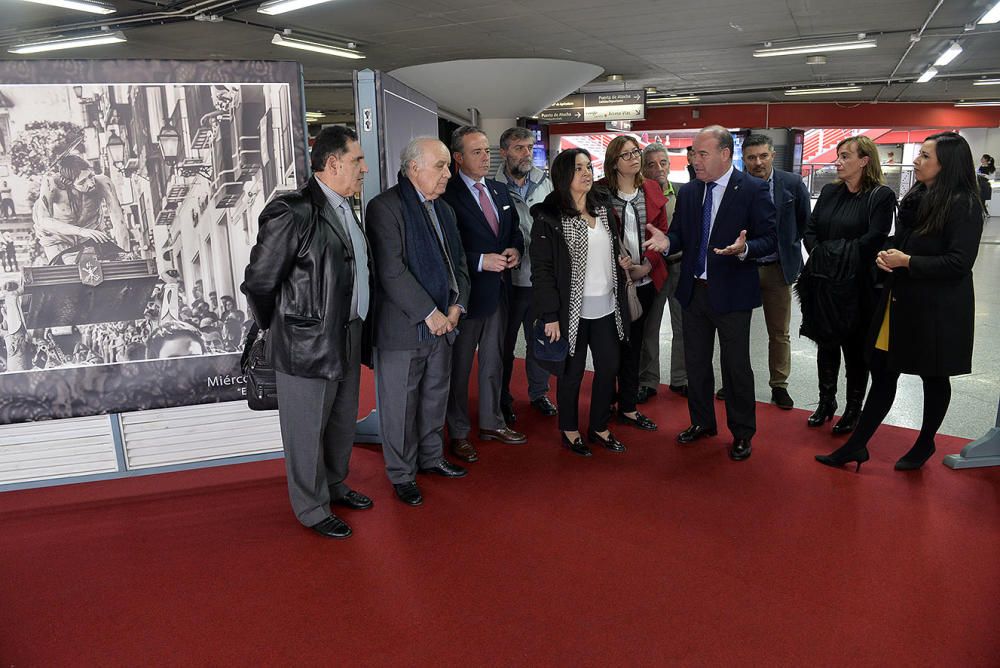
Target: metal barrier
{"x":984,"y":451}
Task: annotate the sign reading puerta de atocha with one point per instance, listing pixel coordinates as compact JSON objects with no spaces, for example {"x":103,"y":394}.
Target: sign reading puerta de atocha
{"x":129,"y":197}
{"x":587,"y":107}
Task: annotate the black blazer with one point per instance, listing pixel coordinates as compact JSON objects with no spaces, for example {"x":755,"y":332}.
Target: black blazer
{"x":478,"y":239}
{"x":792,"y":201}
{"x":733,"y":284}
{"x":932,"y":318}
{"x":299,"y":283}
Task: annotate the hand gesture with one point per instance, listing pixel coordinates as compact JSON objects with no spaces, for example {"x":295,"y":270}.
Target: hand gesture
{"x":657,"y":241}
{"x":625,"y":262}
{"x":737,"y":246}
{"x":888,"y":260}
{"x":454,"y":313}
{"x":513,"y":257}
{"x":552,"y":331}
{"x":494,"y":262}
{"x":438,"y":323}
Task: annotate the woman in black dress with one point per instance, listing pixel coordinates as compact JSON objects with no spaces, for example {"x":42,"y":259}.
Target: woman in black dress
{"x":853,"y":217}
{"x":927,"y":311}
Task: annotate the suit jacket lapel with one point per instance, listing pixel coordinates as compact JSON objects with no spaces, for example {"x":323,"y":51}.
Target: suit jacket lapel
{"x":732,"y":188}
{"x":333,"y":220}
{"x":779,"y":191}
{"x":466,"y":199}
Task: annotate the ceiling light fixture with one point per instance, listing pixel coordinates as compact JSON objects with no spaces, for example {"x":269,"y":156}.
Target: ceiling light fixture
{"x":992,"y":15}
{"x":815,"y":48}
{"x":984,"y":103}
{"x":281,"y":6}
{"x":987,"y":82}
{"x":78,"y":5}
{"x":928,"y":74}
{"x":70,"y":43}
{"x":823,"y":91}
{"x":284,"y":40}
{"x":676,"y":99}
{"x":948,"y":55}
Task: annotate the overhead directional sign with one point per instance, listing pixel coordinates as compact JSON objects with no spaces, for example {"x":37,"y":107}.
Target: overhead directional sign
{"x":623,"y":106}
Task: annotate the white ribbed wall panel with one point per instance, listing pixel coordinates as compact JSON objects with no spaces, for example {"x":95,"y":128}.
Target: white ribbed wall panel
{"x":56,"y":449}
{"x":170,"y":436}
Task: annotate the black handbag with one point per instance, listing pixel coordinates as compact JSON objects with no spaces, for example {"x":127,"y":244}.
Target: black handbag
{"x":262,"y":385}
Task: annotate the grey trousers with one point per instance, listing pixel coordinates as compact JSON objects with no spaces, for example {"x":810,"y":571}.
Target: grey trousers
{"x":777,"y":298}
{"x":413,"y":397}
{"x":649,"y":359}
{"x":318,"y":418}
{"x":486,"y":334}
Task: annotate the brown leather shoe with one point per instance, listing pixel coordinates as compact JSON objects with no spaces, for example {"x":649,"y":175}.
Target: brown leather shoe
{"x":461,"y":448}
{"x":504,"y":435}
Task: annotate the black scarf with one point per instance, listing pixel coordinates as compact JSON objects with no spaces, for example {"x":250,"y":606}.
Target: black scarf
{"x":424,"y":256}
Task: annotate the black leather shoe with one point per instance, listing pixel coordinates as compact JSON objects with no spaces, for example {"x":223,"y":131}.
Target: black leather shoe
{"x":509,"y":417}
{"x":332,"y":527}
{"x":577,"y":447}
{"x":849,"y":420}
{"x":679,"y":389}
{"x":409,"y":493}
{"x":721,"y":394}
{"x":740,"y":449}
{"x":354,"y":501}
{"x":645,"y":394}
{"x":610,"y":443}
{"x":445,"y":468}
{"x":781,"y":399}
{"x":640,"y":421}
{"x":694,"y":432}
{"x":544,"y":406}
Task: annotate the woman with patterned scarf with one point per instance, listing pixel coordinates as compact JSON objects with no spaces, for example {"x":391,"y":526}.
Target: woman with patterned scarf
{"x":579,"y":294}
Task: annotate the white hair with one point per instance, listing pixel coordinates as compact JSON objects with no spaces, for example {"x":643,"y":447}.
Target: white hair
{"x":414,"y":153}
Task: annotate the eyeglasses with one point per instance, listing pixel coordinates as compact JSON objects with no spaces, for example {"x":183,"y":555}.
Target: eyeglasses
{"x":634,"y":153}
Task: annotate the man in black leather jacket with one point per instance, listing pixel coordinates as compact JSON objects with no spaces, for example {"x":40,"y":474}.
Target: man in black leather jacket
{"x":308,"y":283}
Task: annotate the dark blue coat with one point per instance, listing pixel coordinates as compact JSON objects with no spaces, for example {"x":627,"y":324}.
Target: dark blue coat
{"x":478,"y":239}
{"x":733,"y":285}
{"x":792,"y":201}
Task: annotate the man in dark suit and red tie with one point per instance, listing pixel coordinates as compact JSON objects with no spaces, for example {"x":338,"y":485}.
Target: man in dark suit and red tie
{"x":723,"y":221}
{"x":491,"y":236}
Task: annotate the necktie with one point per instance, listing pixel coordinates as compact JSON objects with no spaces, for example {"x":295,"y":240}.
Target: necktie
{"x":487,"y":207}
{"x":706,"y":229}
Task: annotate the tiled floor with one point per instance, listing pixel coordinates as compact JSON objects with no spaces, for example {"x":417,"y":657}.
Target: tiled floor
{"x":974,"y":397}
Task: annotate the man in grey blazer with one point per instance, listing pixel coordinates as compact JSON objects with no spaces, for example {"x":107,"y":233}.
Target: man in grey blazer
{"x":308,"y":284}
{"x":779,"y":270}
{"x":422,"y":289}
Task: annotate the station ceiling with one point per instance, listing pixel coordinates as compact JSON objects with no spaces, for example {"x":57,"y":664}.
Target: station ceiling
{"x":703,"y":47}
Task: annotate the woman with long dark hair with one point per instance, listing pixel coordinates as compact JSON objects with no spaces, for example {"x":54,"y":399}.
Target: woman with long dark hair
{"x":635,"y":202}
{"x":927,"y":311}
{"x":848,"y":226}
{"x":578,"y":285}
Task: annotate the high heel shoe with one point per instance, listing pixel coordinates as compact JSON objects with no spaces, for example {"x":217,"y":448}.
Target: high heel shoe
{"x":916,"y":457}
{"x":824,"y":413}
{"x":842,"y":456}
{"x":576,"y":446}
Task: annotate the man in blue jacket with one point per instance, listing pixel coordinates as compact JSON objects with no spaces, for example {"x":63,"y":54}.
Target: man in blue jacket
{"x":719,"y":285}
{"x":779,"y":270}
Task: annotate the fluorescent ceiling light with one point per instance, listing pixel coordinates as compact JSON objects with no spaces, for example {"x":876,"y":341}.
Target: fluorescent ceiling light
{"x":672,"y":100}
{"x":78,"y":5}
{"x":987,"y":82}
{"x":948,"y":55}
{"x":815,"y":48}
{"x":282,"y":40}
{"x":281,"y":6}
{"x":824,"y":91}
{"x":927,"y":75}
{"x":70,"y":43}
{"x":985,"y":103}
{"x":991,"y":16}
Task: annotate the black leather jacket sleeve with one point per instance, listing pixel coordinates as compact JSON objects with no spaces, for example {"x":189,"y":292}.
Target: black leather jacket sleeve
{"x":271,"y":260}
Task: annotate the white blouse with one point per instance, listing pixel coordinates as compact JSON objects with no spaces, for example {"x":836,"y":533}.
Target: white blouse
{"x":598,"y":284}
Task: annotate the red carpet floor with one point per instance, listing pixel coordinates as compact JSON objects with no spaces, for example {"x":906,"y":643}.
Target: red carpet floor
{"x":662,"y":556}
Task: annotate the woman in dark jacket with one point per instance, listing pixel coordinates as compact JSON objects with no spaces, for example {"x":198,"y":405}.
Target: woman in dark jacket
{"x":856,"y":208}
{"x":578,"y":290}
{"x":635,"y":201}
{"x":926,"y":315}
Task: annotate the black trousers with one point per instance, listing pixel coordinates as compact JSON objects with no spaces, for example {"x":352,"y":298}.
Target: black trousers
{"x":701,"y":323}
{"x":937,"y":397}
{"x":520,"y":317}
{"x":601,"y":336}
{"x":628,"y":373}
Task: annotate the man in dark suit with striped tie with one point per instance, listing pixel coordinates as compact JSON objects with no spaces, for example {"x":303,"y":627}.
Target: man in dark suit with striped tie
{"x":719,"y":285}
{"x":491,"y":236}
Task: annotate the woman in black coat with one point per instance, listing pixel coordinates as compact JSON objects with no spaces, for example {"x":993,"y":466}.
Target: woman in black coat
{"x":926,"y":316}
{"x":578,"y":292}
{"x":852,"y":217}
